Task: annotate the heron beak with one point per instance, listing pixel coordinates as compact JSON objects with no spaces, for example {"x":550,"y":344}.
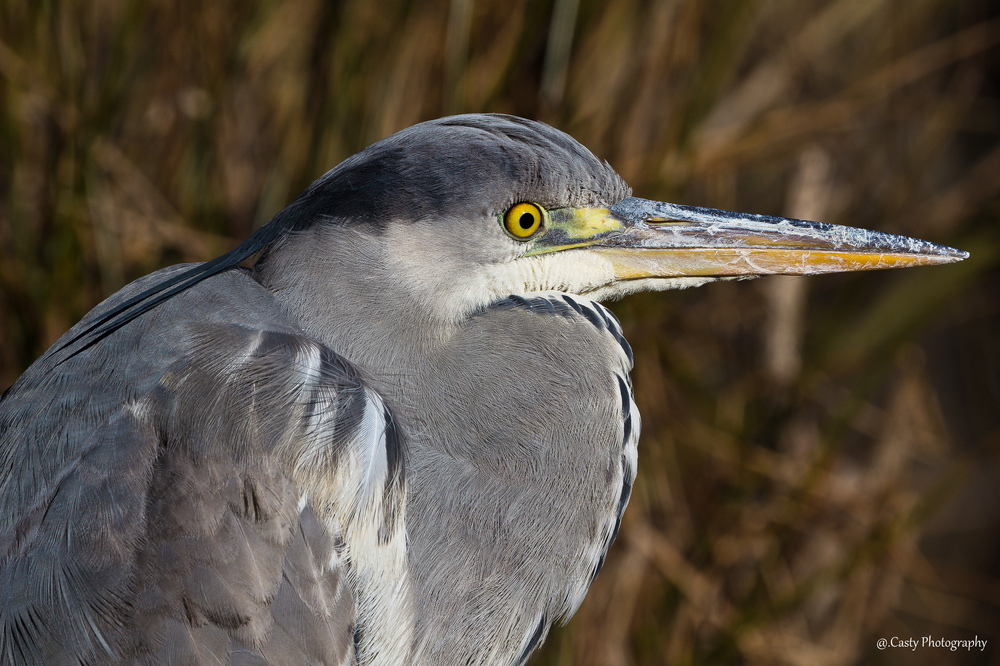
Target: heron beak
{"x":648,"y":239}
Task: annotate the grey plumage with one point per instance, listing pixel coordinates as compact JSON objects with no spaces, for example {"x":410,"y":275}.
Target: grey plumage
{"x":383,"y":430}
{"x":150,"y":518}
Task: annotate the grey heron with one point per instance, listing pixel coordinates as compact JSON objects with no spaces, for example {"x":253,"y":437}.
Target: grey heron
{"x":394,"y":426}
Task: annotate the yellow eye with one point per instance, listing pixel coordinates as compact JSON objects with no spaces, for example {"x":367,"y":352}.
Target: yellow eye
{"x":523,"y":220}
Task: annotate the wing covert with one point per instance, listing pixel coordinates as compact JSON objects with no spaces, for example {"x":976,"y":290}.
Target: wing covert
{"x":193,"y":519}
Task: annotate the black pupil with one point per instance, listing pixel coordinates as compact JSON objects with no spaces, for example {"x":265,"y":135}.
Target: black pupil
{"x":527,"y":220}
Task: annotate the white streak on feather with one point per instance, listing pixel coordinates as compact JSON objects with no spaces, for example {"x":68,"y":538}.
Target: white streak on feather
{"x":632,"y":446}
{"x":372,"y":437}
{"x":139,"y":408}
{"x":308,"y":364}
{"x":241,"y":359}
{"x":346,"y":490}
{"x":334,"y":562}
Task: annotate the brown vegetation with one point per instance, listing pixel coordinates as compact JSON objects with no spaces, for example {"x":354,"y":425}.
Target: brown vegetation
{"x":819,"y":461}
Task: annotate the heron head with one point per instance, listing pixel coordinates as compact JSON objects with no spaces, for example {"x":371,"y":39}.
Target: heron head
{"x":457,"y":212}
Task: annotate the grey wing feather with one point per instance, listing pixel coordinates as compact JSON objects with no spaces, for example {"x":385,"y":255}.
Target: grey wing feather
{"x":150,"y":508}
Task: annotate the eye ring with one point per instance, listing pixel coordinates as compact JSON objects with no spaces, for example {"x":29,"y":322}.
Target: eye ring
{"x":523,"y":221}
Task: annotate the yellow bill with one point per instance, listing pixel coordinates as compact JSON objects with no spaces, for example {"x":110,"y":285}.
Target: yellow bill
{"x":649,"y":239}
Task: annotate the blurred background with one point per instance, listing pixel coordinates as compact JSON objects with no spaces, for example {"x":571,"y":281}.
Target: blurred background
{"x":819,"y":459}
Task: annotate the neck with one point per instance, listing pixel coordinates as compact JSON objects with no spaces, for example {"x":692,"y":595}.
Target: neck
{"x":516,"y":462}
{"x":332,"y":295}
